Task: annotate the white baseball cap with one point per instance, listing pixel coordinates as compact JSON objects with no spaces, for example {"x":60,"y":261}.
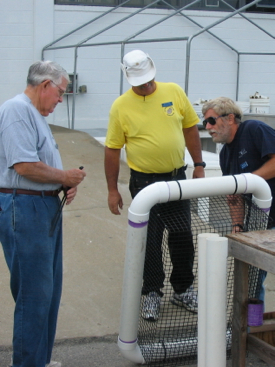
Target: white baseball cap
{"x":138,"y":67}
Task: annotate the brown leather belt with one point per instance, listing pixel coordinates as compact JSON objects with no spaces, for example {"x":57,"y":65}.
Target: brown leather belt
{"x":30,"y":192}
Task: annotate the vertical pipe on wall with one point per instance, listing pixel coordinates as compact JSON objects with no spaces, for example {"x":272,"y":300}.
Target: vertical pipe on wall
{"x":187,"y":64}
{"x":122,"y":51}
{"x":238,"y":77}
{"x":74,"y":89}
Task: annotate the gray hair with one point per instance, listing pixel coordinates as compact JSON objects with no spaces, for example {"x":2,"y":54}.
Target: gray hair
{"x":44,"y":70}
{"x":223,"y":106}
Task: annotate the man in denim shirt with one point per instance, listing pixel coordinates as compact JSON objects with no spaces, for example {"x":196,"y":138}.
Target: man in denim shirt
{"x":31,"y":179}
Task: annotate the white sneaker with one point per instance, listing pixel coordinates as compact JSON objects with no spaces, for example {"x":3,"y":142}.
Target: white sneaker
{"x":53,"y":364}
{"x":188,"y":299}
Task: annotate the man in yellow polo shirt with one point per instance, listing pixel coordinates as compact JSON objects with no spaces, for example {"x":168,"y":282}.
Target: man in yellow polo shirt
{"x":155,"y":121}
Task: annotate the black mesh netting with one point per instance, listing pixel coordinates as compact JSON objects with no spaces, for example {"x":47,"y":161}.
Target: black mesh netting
{"x":172,"y":339}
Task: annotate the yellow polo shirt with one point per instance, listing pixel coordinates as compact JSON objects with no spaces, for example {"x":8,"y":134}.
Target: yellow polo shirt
{"x":150,"y":127}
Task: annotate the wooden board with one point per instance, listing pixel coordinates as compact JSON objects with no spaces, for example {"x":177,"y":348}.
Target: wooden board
{"x":239,"y":322}
{"x":262,"y":349}
{"x":256,"y":248}
{"x":260,"y":240}
{"x":266,"y":332}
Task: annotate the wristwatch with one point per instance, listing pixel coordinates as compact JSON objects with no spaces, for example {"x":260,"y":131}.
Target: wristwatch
{"x":202,"y":164}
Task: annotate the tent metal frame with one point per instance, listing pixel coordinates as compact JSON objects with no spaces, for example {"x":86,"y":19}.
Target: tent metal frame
{"x":131,"y":39}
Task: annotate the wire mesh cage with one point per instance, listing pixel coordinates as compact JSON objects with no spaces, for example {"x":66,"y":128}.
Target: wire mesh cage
{"x":169,"y":337}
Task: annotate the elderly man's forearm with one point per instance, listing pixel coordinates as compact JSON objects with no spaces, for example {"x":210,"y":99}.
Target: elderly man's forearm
{"x":42,"y":173}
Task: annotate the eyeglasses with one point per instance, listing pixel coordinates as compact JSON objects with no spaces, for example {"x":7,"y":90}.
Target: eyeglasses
{"x":61,"y":91}
{"x":212,"y":120}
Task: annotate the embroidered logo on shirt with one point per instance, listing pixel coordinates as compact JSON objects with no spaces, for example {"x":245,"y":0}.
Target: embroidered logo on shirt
{"x":244,"y":165}
{"x":168,"y":108}
{"x":242,"y":152}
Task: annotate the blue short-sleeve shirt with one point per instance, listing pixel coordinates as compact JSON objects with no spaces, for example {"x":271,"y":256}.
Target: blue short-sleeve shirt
{"x":249,"y":150}
{"x":25,"y":136}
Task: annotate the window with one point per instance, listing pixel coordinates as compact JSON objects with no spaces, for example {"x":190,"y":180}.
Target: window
{"x":265,"y":6}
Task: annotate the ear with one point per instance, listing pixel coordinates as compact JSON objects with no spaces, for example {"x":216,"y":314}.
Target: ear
{"x":45,"y":85}
{"x":231,"y":119}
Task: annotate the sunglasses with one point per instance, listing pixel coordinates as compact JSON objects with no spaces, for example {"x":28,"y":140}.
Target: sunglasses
{"x":212,"y":120}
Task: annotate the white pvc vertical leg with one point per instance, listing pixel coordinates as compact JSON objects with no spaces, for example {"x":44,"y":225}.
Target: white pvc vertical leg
{"x":131,"y":292}
{"x":202,"y":280}
{"x":216,"y":295}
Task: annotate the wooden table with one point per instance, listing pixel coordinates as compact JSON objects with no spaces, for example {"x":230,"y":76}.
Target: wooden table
{"x":255,"y":248}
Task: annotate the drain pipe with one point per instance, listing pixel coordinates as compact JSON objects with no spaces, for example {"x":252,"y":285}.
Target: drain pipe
{"x":138,"y":216}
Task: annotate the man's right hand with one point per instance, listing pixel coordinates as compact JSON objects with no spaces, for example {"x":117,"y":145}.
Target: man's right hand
{"x":41,"y":172}
{"x":73,"y":177}
{"x":115,"y":202}
{"x":111,"y":164}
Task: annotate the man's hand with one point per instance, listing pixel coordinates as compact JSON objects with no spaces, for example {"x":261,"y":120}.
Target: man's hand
{"x":115,"y":202}
{"x":41,"y":172}
{"x":73,"y":177}
{"x":70,"y":195}
{"x":236,"y":208}
{"x":237,"y":228}
{"x":111,"y":164}
{"x":198,"y":172}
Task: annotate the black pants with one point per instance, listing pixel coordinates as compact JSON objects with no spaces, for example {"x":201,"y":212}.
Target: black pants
{"x":180,"y":241}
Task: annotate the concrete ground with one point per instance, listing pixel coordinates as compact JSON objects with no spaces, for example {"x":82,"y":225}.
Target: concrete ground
{"x":94,"y":247}
{"x":98,"y":352}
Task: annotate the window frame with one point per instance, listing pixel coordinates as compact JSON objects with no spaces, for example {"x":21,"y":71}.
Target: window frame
{"x":258,"y":8}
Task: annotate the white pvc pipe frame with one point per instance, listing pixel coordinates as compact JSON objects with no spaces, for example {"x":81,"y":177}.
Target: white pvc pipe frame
{"x":212,"y":295}
{"x":138,"y":216}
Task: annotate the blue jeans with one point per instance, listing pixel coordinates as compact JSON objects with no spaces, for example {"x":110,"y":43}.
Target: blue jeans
{"x":262,"y":276}
{"x":35,"y":263}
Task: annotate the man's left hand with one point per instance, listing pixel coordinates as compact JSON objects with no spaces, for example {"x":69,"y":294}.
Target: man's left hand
{"x":70,"y":194}
{"x":198,"y":172}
